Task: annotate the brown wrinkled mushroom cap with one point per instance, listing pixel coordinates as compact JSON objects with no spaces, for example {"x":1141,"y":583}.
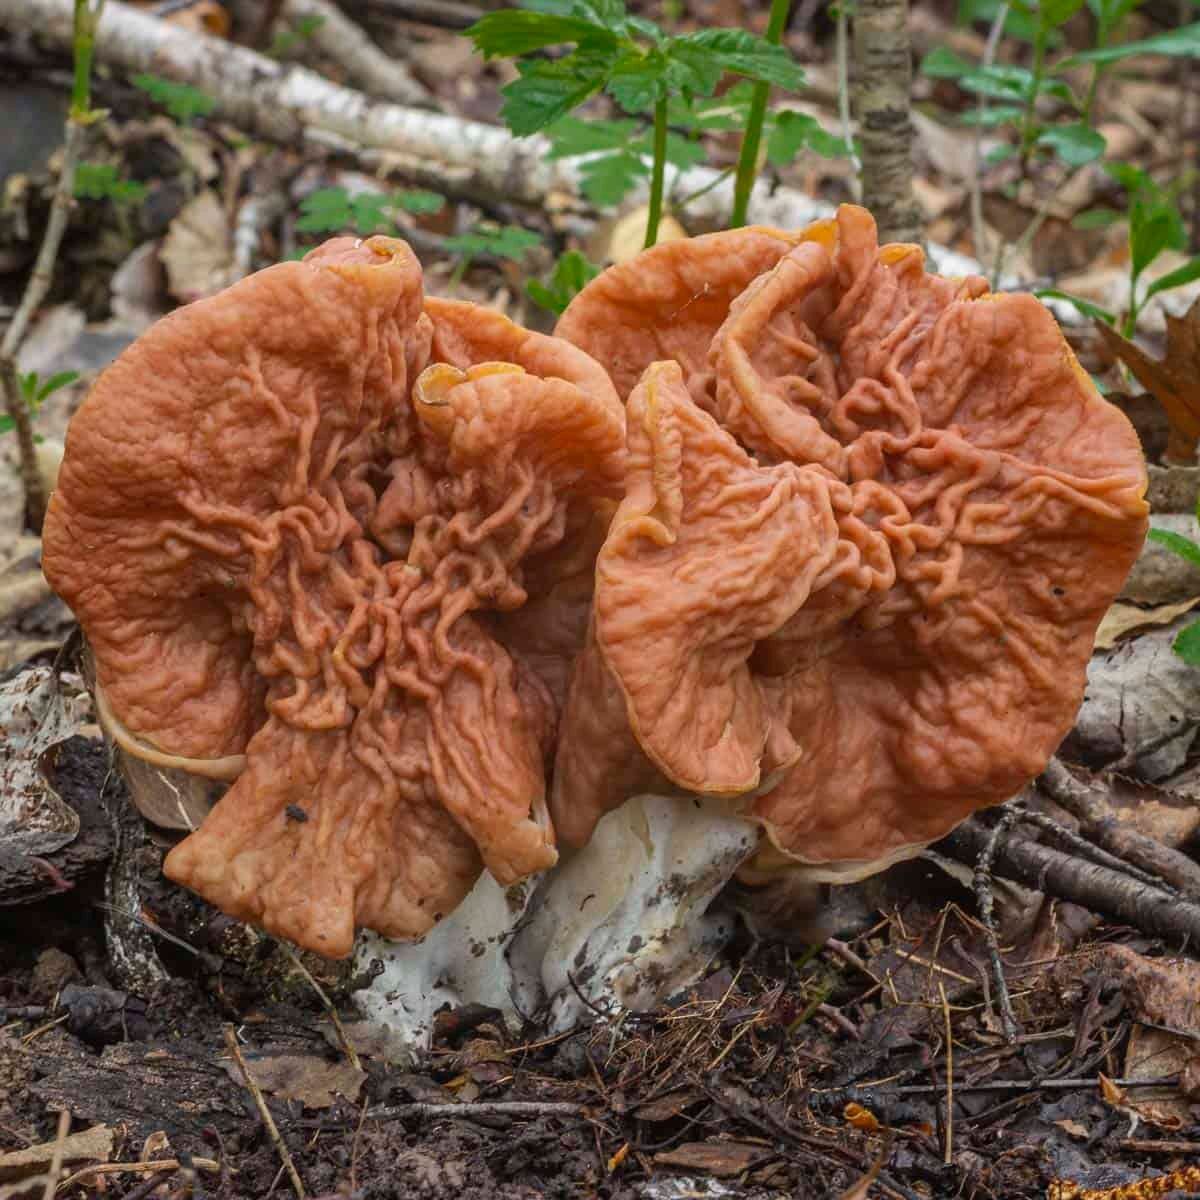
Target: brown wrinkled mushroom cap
{"x":987,"y":502}
{"x":220,"y":531}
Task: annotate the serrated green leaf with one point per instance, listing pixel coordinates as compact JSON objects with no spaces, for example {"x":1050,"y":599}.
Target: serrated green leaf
{"x":681,"y":152}
{"x":571,"y":136}
{"x":1076,"y":144}
{"x":608,"y":178}
{"x":181,"y":100}
{"x":998,"y":114}
{"x":1059,"y":12}
{"x":638,"y":82}
{"x":509,"y":241}
{"x":512,"y":32}
{"x":1187,"y":644}
{"x":1177,"y":544}
{"x":417,"y":201}
{"x":743,"y":53}
{"x":547,"y":91}
{"x":325,"y":211}
{"x":943,"y":63}
{"x":1188,"y":273}
{"x":1178,"y":43}
{"x":690,"y":69}
{"x":1085,"y":306}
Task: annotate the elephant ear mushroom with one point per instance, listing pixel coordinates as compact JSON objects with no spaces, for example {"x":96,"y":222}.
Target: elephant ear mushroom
{"x":708,"y":554}
{"x":215,"y":532}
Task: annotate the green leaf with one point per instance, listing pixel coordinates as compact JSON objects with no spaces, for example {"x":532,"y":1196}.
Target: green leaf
{"x":744,"y":53}
{"x":571,"y":136}
{"x":1187,"y":644}
{"x":999,"y":154}
{"x":1177,"y":544}
{"x":417,"y":201}
{"x":512,"y":32}
{"x":1189,"y":272}
{"x":1019,"y":22}
{"x":681,"y":152}
{"x":181,"y":100}
{"x":572,"y":273}
{"x":795,"y":131}
{"x":1178,"y":43}
{"x":52,"y":385}
{"x":1075,"y":144}
{"x":999,"y":114}
{"x":1097,"y":218}
{"x":7,"y":424}
{"x":1150,"y":234}
{"x":607,"y":179}
{"x":1059,"y":12}
{"x":325,"y":211}
{"x":547,"y":91}
{"x":943,"y":63}
{"x":638,"y":82}
{"x":509,"y":241}
{"x":1085,"y":306}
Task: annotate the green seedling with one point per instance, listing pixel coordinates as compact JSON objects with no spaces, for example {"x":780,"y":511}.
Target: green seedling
{"x":34,"y":392}
{"x":100,"y":181}
{"x":1187,"y":641}
{"x":333,"y":209}
{"x":182,"y":101}
{"x":571,"y":274}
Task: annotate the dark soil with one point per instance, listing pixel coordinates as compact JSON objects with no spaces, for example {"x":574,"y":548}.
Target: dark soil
{"x":742,"y":1087}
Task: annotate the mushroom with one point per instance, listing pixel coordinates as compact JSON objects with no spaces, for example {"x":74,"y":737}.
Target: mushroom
{"x":285,"y":531}
{"x":901,"y":642}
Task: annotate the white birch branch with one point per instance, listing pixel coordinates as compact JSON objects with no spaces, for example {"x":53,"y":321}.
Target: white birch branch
{"x":339,"y":38}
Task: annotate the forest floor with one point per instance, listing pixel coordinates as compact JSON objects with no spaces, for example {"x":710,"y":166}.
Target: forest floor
{"x":878,"y":1066}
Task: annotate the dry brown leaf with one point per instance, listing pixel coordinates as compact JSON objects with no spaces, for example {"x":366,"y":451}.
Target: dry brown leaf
{"x":1122,"y":619}
{"x":1158,"y":1054}
{"x":1112,"y":1094}
{"x":88,"y":1145}
{"x":304,"y":1077}
{"x":198,"y":249}
{"x":1174,"y":382}
{"x":1075,"y":1128}
{"x":719,"y":1158}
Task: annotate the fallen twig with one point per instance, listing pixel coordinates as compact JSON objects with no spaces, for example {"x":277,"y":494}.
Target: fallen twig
{"x":335,"y":35}
{"x":166,"y":1166}
{"x":986,"y":901}
{"x":992,"y":1085}
{"x":481,"y":1108}
{"x":52,"y":1176}
{"x":263,"y":1111}
{"x":1100,"y":889}
{"x":1088,"y":802}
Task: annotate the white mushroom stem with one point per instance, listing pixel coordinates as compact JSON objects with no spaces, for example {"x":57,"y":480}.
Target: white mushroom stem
{"x":620,"y":924}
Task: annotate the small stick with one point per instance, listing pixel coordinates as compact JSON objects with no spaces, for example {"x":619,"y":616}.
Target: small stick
{"x":840,"y":1019}
{"x":263,"y":1111}
{"x":948,"y":1156}
{"x":483,"y":1108}
{"x":994,"y":1085}
{"x":64,"y":1127}
{"x":983,"y":893}
{"x":330,"y":1011}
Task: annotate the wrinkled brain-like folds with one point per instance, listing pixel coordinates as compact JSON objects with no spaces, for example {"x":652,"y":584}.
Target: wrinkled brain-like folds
{"x":950,"y":501}
{"x":290,"y":520}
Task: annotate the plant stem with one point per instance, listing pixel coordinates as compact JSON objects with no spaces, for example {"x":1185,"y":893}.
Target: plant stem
{"x":842,"y":53}
{"x":716,"y":181}
{"x":39,"y":282}
{"x":747,"y":168}
{"x":1037,"y":70}
{"x":658,"y":172}
{"x":978,"y":229}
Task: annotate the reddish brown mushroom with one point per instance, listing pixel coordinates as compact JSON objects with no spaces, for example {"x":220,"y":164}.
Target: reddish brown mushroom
{"x":987,"y":504}
{"x":284,"y":534}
